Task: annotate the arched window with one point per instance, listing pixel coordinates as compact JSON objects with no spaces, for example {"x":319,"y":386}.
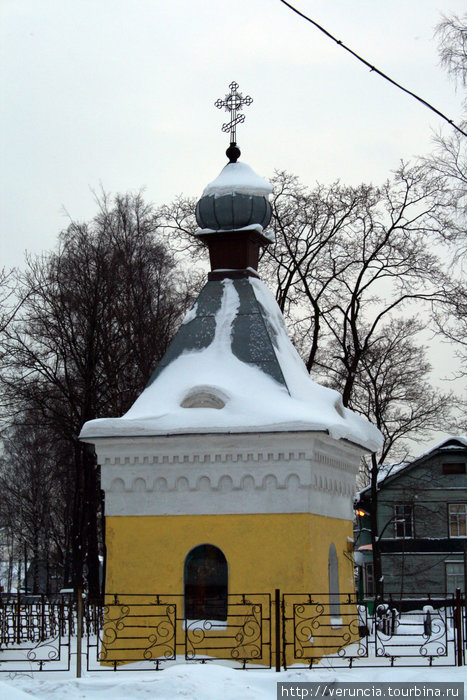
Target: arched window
{"x":205,"y":581}
{"x":334,"y":598}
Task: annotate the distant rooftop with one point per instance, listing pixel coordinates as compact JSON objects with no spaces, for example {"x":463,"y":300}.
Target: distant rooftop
{"x":386,"y":471}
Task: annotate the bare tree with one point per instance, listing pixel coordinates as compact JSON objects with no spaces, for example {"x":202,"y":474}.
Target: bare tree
{"x":9,"y":301}
{"x":450,"y":320}
{"x":97,"y":315}
{"x":392,"y":389}
{"x":35,"y":508}
{"x":452,"y":37}
{"x":348,"y":259}
{"x":449,"y":161}
{"x":308,"y":252}
{"x":178,"y":222}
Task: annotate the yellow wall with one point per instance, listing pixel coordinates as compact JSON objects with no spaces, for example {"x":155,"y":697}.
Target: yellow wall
{"x":146,"y":554}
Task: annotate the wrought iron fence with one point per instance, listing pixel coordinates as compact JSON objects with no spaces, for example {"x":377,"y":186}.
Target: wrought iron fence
{"x":148,"y":632}
{"x":35,"y":633}
{"x":317,"y":629}
{"x":314,"y":626}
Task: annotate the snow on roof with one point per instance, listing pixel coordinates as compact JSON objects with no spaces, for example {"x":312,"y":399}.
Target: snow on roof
{"x":206,"y":387}
{"x":385,"y":471}
{"x":444,"y":445}
{"x":389,"y":470}
{"x":237,"y":178}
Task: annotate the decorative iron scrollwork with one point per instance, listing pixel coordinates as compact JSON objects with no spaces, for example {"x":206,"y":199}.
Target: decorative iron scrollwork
{"x":248,"y":637}
{"x":162,"y":640}
{"x":51,"y":647}
{"x":313,"y":630}
{"x":113,"y":624}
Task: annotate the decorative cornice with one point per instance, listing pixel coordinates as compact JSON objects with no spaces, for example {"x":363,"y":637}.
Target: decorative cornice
{"x":205,"y":458}
{"x":333,"y":455}
{"x":225,"y":483}
{"x":227,"y":474}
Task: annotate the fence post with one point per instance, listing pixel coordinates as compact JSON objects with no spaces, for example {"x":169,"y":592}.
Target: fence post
{"x":18,"y":616}
{"x":458,"y":628}
{"x":278,"y":629}
{"x":43,"y":617}
{"x":79,"y":630}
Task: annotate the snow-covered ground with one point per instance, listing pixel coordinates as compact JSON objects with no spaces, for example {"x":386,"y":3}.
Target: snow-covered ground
{"x":203,"y":682}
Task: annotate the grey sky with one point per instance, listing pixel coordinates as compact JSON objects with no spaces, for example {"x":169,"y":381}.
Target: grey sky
{"x":121,"y":92}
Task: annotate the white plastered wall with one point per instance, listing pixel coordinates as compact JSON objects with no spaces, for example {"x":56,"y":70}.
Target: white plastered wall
{"x":293,"y":472}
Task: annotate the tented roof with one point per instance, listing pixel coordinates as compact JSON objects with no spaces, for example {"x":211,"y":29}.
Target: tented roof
{"x":232,"y":368}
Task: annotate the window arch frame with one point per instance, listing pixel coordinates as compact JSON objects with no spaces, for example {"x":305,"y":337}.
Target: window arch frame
{"x":334,"y":589}
{"x":205,"y":599}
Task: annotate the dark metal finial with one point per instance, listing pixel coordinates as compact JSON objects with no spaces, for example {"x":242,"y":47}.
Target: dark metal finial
{"x":233,"y":152}
{"x":233,"y":103}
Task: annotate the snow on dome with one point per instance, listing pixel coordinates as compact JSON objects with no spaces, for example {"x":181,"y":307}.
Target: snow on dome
{"x":238,"y":178}
{"x":253,"y":400}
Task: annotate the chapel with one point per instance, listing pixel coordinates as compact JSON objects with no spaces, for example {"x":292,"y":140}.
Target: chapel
{"x":234,"y":471}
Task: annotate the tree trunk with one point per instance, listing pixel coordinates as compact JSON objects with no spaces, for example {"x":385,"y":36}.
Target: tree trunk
{"x":91,"y":524}
{"x":78,"y":520}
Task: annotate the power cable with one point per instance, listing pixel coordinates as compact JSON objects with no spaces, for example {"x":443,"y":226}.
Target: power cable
{"x":373,"y":68}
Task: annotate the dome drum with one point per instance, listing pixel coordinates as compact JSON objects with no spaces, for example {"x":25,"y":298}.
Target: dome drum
{"x":229,"y":251}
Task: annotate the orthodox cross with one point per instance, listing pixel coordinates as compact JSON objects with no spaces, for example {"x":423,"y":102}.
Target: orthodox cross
{"x":233,"y":103}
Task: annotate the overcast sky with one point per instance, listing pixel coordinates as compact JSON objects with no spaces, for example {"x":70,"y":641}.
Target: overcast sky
{"x":120,"y":94}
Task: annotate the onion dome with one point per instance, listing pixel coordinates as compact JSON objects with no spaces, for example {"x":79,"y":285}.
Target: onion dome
{"x":232,"y":213}
{"x":237,"y":198}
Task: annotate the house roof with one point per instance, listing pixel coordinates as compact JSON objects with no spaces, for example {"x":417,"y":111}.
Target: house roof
{"x":388,"y":472}
{"x":232,"y":368}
